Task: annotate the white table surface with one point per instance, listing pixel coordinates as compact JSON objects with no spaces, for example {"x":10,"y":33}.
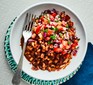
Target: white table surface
{"x":11,"y":8}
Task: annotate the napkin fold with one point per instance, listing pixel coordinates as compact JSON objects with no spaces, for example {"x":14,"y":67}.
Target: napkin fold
{"x":85,"y":74}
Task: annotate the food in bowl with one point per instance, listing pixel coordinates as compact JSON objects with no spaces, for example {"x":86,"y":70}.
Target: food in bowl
{"x":53,"y":41}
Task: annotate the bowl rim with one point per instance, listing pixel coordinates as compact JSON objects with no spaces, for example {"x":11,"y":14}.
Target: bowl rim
{"x":54,"y":3}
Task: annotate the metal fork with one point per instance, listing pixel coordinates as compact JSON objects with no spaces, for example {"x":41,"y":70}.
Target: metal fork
{"x":27,"y":27}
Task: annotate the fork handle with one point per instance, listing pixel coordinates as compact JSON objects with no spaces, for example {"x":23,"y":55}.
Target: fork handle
{"x":17,"y":76}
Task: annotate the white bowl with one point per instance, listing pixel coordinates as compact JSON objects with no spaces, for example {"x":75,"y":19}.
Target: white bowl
{"x":16,"y":35}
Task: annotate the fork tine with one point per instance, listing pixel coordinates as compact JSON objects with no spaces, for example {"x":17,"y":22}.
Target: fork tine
{"x":33,"y":21}
{"x":25,"y":22}
{"x":30,"y":21}
{"x":31,"y":24}
{"x":27,"y":27}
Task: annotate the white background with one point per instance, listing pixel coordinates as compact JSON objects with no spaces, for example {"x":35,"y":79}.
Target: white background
{"x":9,"y":9}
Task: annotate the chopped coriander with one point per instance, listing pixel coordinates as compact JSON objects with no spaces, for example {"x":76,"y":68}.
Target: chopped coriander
{"x":56,"y":20}
{"x":49,"y":42}
{"x":55,"y":29}
{"x":69,"y":42}
{"x":58,"y":16}
{"x":46,"y":30}
{"x":53,"y":37}
{"x":48,"y":21}
{"x":41,"y":30}
{"x":60,"y":34}
{"x":67,"y":26}
{"x":52,"y":28}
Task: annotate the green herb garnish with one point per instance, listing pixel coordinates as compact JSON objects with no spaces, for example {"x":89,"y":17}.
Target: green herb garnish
{"x":52,"y":28}
{"x":41,"y":30}
{"x":49,"y":42}
{"x":53,"y":37}
{"x":55,"y":29}
{"x":60,"y":34}
{"x":46,"y":30}
{"x":56,"y":20}
{"x":69,"y":42}
{"x":67,"y":26}
{"x":59,"y":16}
{"x":48,"y":21}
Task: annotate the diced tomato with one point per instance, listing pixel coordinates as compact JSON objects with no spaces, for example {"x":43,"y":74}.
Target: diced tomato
{"x":60,"y":28}
{"x":38,"y":29}
{"x":52,"y":18}
{"x":60,"y":40}
{"x":45,"y":21}
{"x":58,"y":50}
{"x":47,"y":38}
{"x":64,"y":23}
{"x":68,"y":46}
{"x":76,"y":42}
{"x":54,"y":14}
{"x":72,"y":29}
{"x":53,"y":24}
{"x":50,"y":32}
{"x":44,"y":26}
{"x":67,"y":55}
{"x":72,"y":33}
{"x":73,"y":46}
{"x":64,"y":52}
{"x":65,"y":44}
{"x":42,"y":18}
